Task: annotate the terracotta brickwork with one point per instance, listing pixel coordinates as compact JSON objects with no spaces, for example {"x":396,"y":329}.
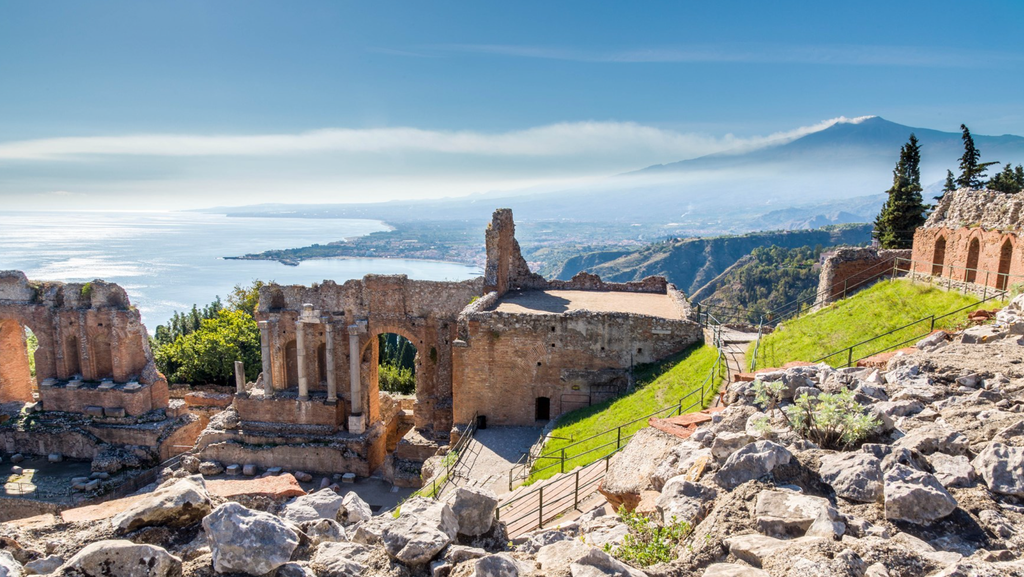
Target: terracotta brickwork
{"x":972,"y":237}
{"x":848,"y":270}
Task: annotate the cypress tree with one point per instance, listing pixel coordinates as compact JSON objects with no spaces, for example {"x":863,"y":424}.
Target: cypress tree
{"x":972,"y":170}
{"x":904,"y":210}
{"x":950,"y":185}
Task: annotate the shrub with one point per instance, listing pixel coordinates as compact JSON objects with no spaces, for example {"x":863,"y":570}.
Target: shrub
{"x":830,"y":420}
{"x":395,"y":379}
{"x":648,"y":543}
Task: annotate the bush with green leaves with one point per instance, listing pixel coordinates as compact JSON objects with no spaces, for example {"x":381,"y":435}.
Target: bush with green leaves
{"x":647,"y":542}
{"x":830,"y":420}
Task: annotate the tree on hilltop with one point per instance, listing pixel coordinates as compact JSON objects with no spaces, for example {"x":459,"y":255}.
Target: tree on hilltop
{"x":1009,"y":180}
{"x":904,"y":210}
{"x":949,"y":186}
{"x":972,"y":170}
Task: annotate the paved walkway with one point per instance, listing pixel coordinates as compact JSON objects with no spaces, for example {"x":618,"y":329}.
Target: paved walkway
{"x":491,"y":454}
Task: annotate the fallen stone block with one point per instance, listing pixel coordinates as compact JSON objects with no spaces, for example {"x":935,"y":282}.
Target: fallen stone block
{"x":855,"y":476}
{"x":474,"y":510}
{"x":1002,"y":468}
{"x":124,"y":559}
{"x":94,"y":411}
{"x":246,"y":541}
{"x":752,"y":462}
{"x":249,"y":470}
{"x":114,"y":412}
{"x":787,"y":514}
{"x":915,"y":496}
{"x":179,"y":504}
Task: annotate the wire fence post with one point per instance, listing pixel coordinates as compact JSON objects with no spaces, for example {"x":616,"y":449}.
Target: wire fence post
{"x":849,"y":358}
{"x":562,"y":468}
{"x":540,"y":507}
{"x":618,"y":439}
{"x":576,"y":492}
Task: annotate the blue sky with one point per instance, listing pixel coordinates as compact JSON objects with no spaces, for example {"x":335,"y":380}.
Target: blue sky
{"x":354,"y":101}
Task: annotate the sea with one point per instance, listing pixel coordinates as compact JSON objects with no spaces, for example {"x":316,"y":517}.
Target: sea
{"x":168,"y":261}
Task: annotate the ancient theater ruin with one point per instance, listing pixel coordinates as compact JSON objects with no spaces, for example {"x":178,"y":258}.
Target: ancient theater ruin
{"x":510,"y":348}
{"x":96,"y":393}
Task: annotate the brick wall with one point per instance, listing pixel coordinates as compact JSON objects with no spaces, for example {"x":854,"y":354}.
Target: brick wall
{"x":848,"y":270}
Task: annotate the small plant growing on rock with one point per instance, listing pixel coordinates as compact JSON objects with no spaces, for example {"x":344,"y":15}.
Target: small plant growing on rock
{"x":648,"y":543}
{"x":830,"y":420}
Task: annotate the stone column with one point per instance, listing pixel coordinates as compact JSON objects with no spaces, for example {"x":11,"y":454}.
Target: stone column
{"x":356,"y":422}
{"x":332,"y":379}
{"x":300,"y":359}
{"x":268,"y":377}
{"x":239,"y":377}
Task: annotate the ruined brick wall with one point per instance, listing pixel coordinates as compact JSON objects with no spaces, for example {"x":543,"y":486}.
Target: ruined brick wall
{"x":507,"y":361}
{"x":972,"y":237}
{"x":506,"y":268}
{"x":848,"y":270}
{"x":86,"y":330}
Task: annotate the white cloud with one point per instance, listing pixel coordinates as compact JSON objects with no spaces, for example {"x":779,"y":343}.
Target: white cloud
{"x":569,"y":139}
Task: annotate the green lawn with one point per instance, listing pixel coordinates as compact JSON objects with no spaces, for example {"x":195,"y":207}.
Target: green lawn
{"x":879,"y":309}
{"x":659,"y":386}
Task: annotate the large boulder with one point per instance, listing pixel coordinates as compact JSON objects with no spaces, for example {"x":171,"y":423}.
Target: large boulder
{"x":752,"y":462}
{"x":1002,"y":467}
{"x":414,"y":542}
{"x":342,"y":559}
{"x":630,"y":470}
{"x":324,"y":504}
{"x":324,"y":531}
{"x":557,"y":556}
{"x":354,"y":509}
{"x":684,"y":501}
{"x":123,"y":559}
{"x":246,"y":541}
{"x":176,"y":504}
{"x":435,"y":514}
{"x":9,"y":566}
{"x":500,"y":565}
{"x":855,"y":476}
{"x":474,"y":509}
{"x":679,"y":460}
{"x":788,"y":514}
{"x":915,"y":496}
{"x":952,"y":471}
{"x":597,"y":563}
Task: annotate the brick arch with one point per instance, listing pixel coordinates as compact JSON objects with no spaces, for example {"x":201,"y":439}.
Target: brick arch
{"x":939,"y":255}
{"x":973,"y":257}
{"x":1006,"y":250}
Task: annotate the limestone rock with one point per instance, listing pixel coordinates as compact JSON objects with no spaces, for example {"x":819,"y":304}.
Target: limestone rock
{"x":354,"y":509}
{"x":1002,"y":467}
{"x":474,"y":509}
{"x":9,"y":567}
{"x":733,"y":570}
{"x":371,"y":531}
{"x":324,"y":531}
{"x":459,"y":553}
{"x":685,"y":501}
{"x":412,"y":541}
{"x":752,"y":462}
{"x":559,"y":555}
{"x":727,"y":443}
{"x":178,"y":504}
{"x":436,"y":514}
{"x":754,"y":548}
{"x":540,"y":539}
{"x":342,"y":559}
{"x":500,"y":565}
{"x":952,"y":471}
{"x":210,"y":468}
{"x":855,"y":476}
{"x":787,"y":514}
{"x":43,"y":566}
{"x":124,"y":559}
{"x":247,"y":541}
{"x":324,"y":504}
{"x":915,"y":496}
{"x":931,"y":438}
{"x":630,"y":470}
{"x":679,"y":460}
{"x":294,"y":570}
{"x":597,"y":563}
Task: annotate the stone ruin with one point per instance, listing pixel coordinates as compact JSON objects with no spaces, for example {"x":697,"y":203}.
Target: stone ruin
{"x":96,"y":389}
{"x":492,"y":348}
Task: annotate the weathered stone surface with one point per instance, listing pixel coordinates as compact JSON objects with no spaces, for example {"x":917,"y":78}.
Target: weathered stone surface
{"x":371,"y":531}
{"x":754,"y":548}
{"x":124,"y":559}
{"x":247,"y":541}
{"x":413,"y":541}
{"x":856,"y":476}
{"x":540,"y":538}
{"x":733,"y":570}
{"x":630,"y":470}
{"x":727,"y":443}
{"x":324,"y":504}
{"x":597,"y":563}
{"x":458,"y":553}
{"x":560,"y":554}
{"x":787,"y":514}
{"x":931,"y":438}
{"x":324,"y":531}
{"x":683,"y":500}
{"x":679,"y":460}
{"x":1002,"y":467}
{"x":474,"y":510}
{"x":952,"y":471}
{"x":342,"y":559}
{"x":915,"y":496}
{"x":177,"y":504}
{"x":43,"y":566}
{"x":9,"y":567}
{"x":210,"y":468}
{"x":294,"y":570}
{"x":500,"y":565}
{"x":436,"y":514}
{"x":752,"y":462}
{"x":354,"y":509}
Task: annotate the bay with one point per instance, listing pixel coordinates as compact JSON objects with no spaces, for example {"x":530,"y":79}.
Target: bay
{"x":168,"y":261}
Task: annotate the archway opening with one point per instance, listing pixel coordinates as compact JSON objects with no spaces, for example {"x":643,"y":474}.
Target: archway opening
{"x":1005,"y":256}
{"x":396,"y":370}
{"x":973,"y":254}
{"x":939,"y":256}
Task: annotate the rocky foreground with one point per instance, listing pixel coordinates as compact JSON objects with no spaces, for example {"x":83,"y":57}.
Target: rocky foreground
{"x":935,"y":488}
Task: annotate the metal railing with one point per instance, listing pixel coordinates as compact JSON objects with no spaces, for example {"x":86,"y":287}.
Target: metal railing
{"x":450,"y":464}
{"x":531,"y":509}
{"x":525,"y":467}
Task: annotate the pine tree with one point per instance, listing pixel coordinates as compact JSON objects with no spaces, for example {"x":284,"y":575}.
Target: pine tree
{"x":950,"y":185}
{"x":1008,"y":180}
{"x":904,"y":210}
{"x":972,"y":170}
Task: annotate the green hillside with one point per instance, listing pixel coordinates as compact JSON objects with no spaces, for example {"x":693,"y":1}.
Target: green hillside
{"x":658,"y":386}
{"x":879,"y":309}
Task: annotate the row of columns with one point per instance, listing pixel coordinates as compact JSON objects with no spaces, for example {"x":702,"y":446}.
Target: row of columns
{"x":309,"y":316}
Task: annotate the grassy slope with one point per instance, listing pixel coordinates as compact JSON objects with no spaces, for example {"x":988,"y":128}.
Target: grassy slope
{"x":658,"y":387}
{"x":879,"y":309}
